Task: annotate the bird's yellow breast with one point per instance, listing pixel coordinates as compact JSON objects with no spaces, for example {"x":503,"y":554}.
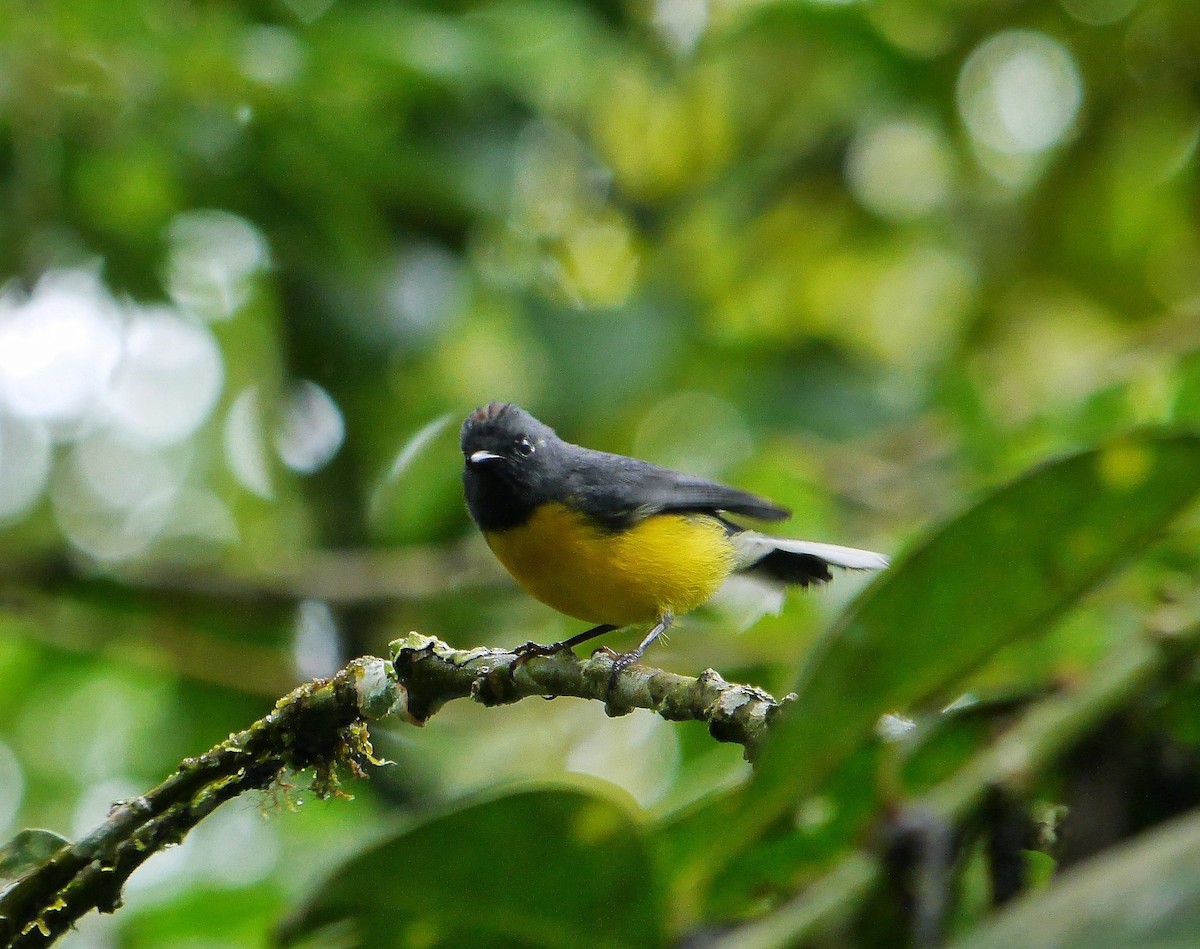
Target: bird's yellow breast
{"x":666,"y":563}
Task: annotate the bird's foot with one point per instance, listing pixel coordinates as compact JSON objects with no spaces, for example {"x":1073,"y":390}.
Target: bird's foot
{"x":531,"y":650}
{"x":620,"y":662}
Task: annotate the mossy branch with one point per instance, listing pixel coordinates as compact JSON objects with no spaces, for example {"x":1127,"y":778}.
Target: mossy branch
{"x":323,"y":725}
{"x":431,"y":673}
{"x":320,"y":725}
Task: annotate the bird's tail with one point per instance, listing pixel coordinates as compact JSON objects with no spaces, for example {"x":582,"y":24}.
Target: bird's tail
{"x":787,"y":562}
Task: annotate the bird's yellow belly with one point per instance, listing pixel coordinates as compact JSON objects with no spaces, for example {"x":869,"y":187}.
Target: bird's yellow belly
{"x":666,"y":563}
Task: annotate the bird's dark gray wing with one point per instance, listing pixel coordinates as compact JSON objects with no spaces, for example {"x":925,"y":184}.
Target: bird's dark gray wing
{"x":618,"y":490}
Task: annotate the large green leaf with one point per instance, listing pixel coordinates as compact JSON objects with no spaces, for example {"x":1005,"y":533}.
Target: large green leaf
{"x":1007,"y":567}
{"x":1144,"y":893}
{"x":540,"y":868}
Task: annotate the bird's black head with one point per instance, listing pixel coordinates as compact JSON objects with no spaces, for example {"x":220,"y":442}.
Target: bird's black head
{"x":510,"y":459}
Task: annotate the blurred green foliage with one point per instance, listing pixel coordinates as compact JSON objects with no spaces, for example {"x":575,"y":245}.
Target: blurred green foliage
{"x":867,"y":258}
{"x":585,"y":859}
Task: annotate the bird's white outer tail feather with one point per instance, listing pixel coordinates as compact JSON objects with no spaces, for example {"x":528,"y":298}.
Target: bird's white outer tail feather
{"x":747,"y":597}
{"x":753,"y":546}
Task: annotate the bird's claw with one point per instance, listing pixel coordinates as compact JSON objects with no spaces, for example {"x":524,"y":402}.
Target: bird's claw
{"x":620,"y":662}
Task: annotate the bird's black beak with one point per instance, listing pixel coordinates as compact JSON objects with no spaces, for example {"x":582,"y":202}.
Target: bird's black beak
{"x":481,"y":457}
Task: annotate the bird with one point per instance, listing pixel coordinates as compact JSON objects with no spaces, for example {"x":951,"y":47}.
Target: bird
{"x":616,"y":541}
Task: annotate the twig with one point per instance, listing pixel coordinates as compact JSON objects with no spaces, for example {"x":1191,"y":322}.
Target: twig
{"x":431,"y":673}
{"x":921,"y":849}
{"x":1009,"y":830}
{"x":180,"y":646}
{"x":336,"y":576}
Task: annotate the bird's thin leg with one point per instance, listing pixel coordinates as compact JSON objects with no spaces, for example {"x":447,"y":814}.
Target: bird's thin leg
{"x":529,"y":650}
{"x":587,"y":634}
{"x":663,"y":624}
{"x":623,"y":660}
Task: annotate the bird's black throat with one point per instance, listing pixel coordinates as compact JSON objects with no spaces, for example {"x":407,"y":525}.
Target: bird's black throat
{"x":497,"y":502}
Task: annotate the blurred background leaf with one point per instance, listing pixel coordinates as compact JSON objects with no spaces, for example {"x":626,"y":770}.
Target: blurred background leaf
{"x":25,"y":851}
{"x":532,"y":868}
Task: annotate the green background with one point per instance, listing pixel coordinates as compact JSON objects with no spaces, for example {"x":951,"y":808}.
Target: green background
{"x":871,"y":259}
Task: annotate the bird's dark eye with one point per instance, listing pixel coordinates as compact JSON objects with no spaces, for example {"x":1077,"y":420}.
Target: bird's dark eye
{"x":524,"y":446}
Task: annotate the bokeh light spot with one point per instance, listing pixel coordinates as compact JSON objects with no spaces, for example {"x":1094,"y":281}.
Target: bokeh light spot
{"x":596,"y":823}
{"x":681,"y":22}
{"x":814,"y":813}
{"x":168,"y":380}
{"x":493,"y":357}
{"x":311,"y":429}
{"x":424,"y":289}
{"x":271,"y":55}
{"x":1019,"y":92}
{"x":213,"y":259}
{"x":315,"y":649}
{"x":24,"y":465}
{"x":439,"y":45}
{"x":900,"y":168}
{"x":58,"y":348}
{"x":1052,"y":349}
{"x":245,"y":449}
{"x":121,"y":473}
